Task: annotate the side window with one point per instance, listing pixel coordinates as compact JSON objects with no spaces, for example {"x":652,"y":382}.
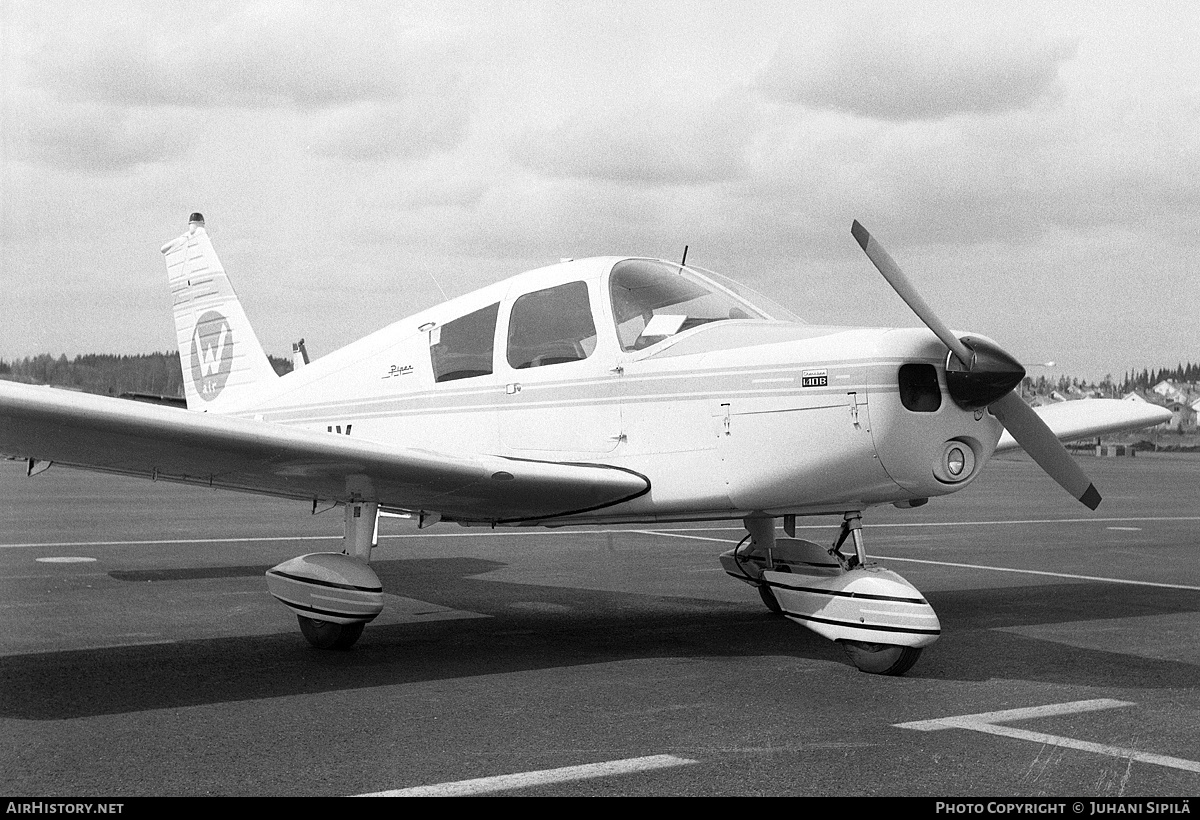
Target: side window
{"x":551,"y":326}
{"x":463,"y":348}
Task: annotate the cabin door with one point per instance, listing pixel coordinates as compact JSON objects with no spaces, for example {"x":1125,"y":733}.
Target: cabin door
{"x":562,"y":389}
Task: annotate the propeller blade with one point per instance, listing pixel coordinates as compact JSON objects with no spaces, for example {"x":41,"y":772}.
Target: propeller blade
{"x":899,"y":282}
{"x":976,"y":386}
{"x":1043,"y":447}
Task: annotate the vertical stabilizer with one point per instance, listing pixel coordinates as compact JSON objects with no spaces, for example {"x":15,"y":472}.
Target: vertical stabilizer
{"x":224,"y":366}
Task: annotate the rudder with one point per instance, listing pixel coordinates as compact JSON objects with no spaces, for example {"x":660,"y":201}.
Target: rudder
{"x":224,"y":366}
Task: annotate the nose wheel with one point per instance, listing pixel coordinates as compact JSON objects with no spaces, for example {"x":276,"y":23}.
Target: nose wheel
{"x":839,"y":595}
{"x":327,"y":635}
{"x":881,"y":658}
{"x":768,"y":599}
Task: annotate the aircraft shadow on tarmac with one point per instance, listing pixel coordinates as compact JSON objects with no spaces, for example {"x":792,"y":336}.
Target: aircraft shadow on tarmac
{"x":568,"y":627}
{"x":974,"y":645}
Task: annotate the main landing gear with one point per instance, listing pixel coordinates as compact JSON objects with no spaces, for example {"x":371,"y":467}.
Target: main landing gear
{"x":880,"y":619}
{"x":334,"y":594}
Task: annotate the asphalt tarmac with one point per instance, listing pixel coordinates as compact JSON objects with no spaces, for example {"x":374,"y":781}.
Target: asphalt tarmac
{"x":141,"y":654}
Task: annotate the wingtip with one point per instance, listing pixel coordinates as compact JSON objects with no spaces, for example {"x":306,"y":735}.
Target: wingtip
{"x":1091,"y":498}
{"x":860,"y":234}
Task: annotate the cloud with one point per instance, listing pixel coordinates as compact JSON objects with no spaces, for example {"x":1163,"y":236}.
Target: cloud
{"x":1013,"y":176}
{"x":302,"y":55}
{"x":652,"y":141}
{"x":915,"y":72}
{"x":95,"y":137}
{"x":414,"y":127}
{"x":105,"y":88}
{"x":440,"y":181}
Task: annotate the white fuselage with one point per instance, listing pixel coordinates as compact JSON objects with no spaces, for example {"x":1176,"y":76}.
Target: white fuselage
{"x":726,"y":419}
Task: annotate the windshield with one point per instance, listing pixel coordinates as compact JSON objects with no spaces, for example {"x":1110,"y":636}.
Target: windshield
{"x":773,"y":309}
{"x":653,"y":300}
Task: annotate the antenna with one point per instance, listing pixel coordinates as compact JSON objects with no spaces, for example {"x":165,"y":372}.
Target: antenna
{"x":439,"y":287}
{"x":684,"y":262}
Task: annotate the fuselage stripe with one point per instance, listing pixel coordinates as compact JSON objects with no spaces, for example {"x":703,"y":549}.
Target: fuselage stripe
{"x":839,"y":594}
{"x":626,"y":388}
{"x":320,"y":583}
{"x":857,"y":625}
{"x":330,"y":612}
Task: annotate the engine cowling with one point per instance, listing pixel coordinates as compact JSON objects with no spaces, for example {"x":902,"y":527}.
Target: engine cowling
{"x":328,"y":586}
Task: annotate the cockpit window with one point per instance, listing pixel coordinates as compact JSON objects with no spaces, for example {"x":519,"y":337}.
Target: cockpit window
{"x":551,"y":326}
{"x":654,"y":300}
{"x":462,"y":348}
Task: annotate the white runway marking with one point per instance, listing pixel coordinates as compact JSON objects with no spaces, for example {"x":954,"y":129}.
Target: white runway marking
{"x":1009,"y":715}
{"x":1069,"y":575}
{"x":887,"y":524}
{"x":525,"y":533}
{"x":684,"y":535}
{"x":988,"y":722}
{"x":1040,"y":521}
{"x":170,"y":541}
{"x":874,"y":556}
{"x":65,"y":559}
{"x":673,"y":532}
{"x":504,"y":782}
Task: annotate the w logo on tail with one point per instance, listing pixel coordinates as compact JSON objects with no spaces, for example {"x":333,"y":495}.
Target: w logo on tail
{"x":212,"y":354}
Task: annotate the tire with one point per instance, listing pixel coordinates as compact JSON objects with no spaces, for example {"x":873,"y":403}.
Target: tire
{"x":327,"y":635}
{"x":880,"y":658}
{"x":768,"y":599}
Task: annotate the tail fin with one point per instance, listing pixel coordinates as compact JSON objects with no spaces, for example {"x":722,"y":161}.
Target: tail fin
{"x":224,"y":366}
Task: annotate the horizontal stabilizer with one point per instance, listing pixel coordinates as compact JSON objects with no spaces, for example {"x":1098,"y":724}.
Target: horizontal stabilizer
{"x":1084,"y":418}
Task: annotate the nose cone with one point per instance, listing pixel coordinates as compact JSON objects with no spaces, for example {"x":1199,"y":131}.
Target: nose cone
{"x":991,"y":376}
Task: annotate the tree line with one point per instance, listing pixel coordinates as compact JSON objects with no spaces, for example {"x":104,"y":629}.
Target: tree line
{"x":1148,"y":378}
{"x":1110,"y":386}
{"x":157,"y":374}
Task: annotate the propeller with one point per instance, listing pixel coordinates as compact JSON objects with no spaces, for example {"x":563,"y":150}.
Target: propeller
{"x":980,"y":374}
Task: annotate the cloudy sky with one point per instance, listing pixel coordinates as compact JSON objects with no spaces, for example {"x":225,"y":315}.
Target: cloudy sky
{"x":1034,"y":167}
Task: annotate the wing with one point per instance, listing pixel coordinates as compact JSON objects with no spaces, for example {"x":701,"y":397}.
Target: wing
{"x":170,"y":444}
{"x":1070,"y":420}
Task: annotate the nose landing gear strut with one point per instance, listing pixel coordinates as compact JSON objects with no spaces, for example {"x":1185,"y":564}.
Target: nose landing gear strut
{"x":879,"y":618}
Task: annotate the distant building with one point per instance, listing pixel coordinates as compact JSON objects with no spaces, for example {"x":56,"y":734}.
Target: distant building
{"x":1169,"y":390}
{"x":1180,"y":419}
{"x":1183,"y":416}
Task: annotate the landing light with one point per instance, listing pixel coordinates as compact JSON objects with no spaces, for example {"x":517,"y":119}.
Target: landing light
{"x":955,"y":461}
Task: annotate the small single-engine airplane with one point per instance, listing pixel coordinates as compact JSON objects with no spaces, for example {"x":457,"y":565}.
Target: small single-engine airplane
{"x":594,"y":391}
